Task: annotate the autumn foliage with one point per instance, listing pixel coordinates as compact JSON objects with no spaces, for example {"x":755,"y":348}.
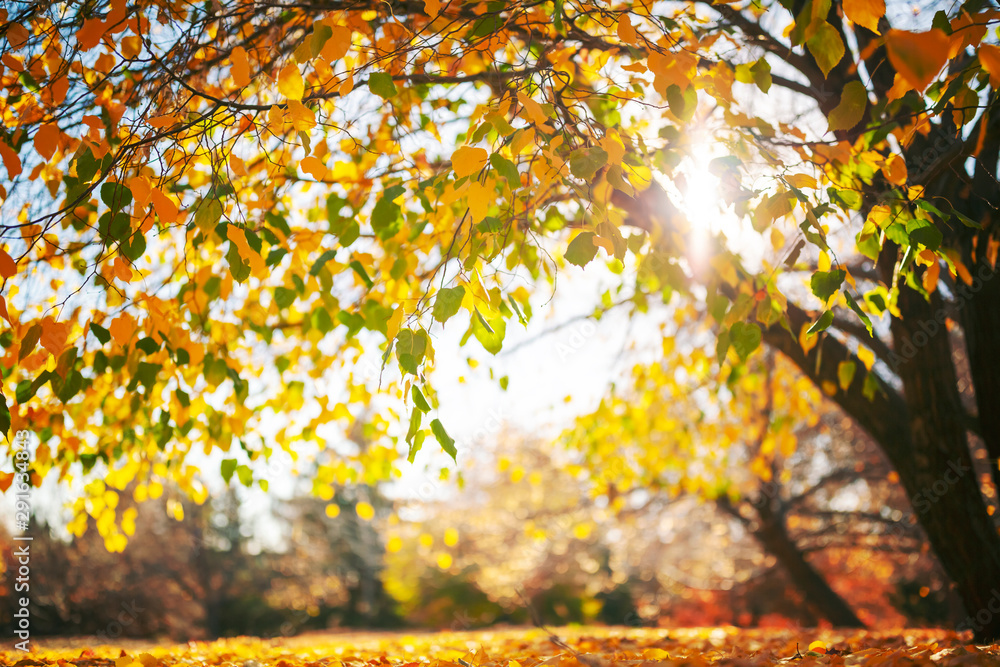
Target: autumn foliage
{"x":232,"y":229}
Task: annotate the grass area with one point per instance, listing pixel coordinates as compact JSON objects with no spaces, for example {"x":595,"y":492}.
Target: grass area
{"x":519,"y":647}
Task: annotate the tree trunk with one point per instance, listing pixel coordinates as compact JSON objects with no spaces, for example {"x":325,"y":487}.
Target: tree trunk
{"x":771,"y":532}
{"x":825,"y":602}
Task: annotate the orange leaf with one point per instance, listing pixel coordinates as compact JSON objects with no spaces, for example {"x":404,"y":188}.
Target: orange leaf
{"x":6,"y":479}
{"x":237,"y":165}
{"x":432,"y":7}
{"x":10,"y":160}
{"x":865,"y":13}
{"x":122,"y":328}
{"x":3,"y":310}
{"x":240,"y":68}
{"x":54,"y":335}
{"x":47,"y":140}
{"x":7,"y":265}
{"x":989,"y":58}
{"x":313,"y":166}
{"x":918,"y":56}
{"x":895,"y":170}
{"x":338,"y":45}
{"x":122,"y":270}
{"x":17,"y":35}
{"x":239,"y":239}
{"x":290,"y":83}
{"x":140,"y":190}
{"x":90,"y":34}
{"x":468,"y":160}
{"x":164,"y":206}
{"x":626,"y":32}
{"x":930,"y":277}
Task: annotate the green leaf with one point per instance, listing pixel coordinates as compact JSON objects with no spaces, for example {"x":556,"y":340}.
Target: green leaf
{"x":825,"y":283}
{"x":490,"y":333}
{"x":745,"y":338}
{"x":761,"y":71}
{"x":102,"y":334}
{"x":387,"y":217}
{"x":321,"y":262}
{"x":227,"y":469}
{"x":447,"y":444}
{"x":419,"y":400}
{"x":507,"y":169}
{"x":381,"y":84}
{"x":148,"y":345}
{"x":136,"y":248}
{"x":850,"y":111}
{"x":448,"y":302}
{"x":116,"y":196}
{"x":860,"y":313}
{"x":410,"y":349}
{"x":245,"y":475}
{"x":208,"y":214}
{"x":359,"y":269}
{"x":584,"y":162}
{"x":417,"y":439}
{"x":284,"y":297}
{"x":581,"y":249}
{"x":822,"y":324}
{"x":845,"y":373}
{"x":4,"y":417}
{"x":925,"y":233}
{"x":826,"y":47}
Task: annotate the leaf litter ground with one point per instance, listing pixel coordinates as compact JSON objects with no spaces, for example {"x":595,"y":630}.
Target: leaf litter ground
{"x":567,"y":647}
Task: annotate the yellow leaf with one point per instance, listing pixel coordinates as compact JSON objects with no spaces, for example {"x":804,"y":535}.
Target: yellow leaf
{"x":533,"y":109}
{"x":468,"y":160}
{"x":865,"y":13}
{"x":479,"y":199}
{"x":866,"y":356}
{"x":917,"y":56}
{"x":801,"y":181}
{"x":290,"y":83}
{"x":302,"y":117}
{"x":394,"y":322}
{"x":333,"y":511}
{"x":394,"y":544}
{"x":989,"y":58}
{"x":240,"y":68}
{"x":444,"y":561}
{"x":451,"y":537}
{"x":365,"y":511}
